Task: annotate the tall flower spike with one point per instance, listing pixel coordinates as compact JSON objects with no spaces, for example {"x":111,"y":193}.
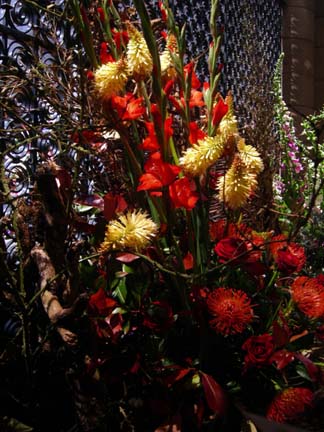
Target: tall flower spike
{"x":250,"y":157}
{"x":132,"y":231}
{"x":167,"y":64}
{"x":198,"y":158}
{"x":237,"y":184}
{"x":228,"y":125}
{"x":110,"y":78}
{"x":140,"y":63}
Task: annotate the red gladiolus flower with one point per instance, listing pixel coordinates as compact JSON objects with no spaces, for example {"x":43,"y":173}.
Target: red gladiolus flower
{"x":182,"y":194}
{"x":168,"y":131}
{"x":231,"y":249}
{"x":120,"y":38}
{"x":219,"y":110}
{"x":90,"y":75}
{"x":259,"y":349}
{"x":157,"y":173}
{"x":308,"y":294}
{"x":195,"y":133}
{"x":163,"y":11}
{"x":289,"y":404}
{"x":196,"y":99}
{"x":101,"y":14}
{"x":100,"y":303}
{"x":230,"y":309}
{"x":189,"y":68}
{"x":105,"y":56}
{"x":155,"y":111}
{"x":128,"y":107}
{"x":150,"y":143}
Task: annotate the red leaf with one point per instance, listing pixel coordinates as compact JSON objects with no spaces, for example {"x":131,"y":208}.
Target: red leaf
{"x":126,"y":257}
{"x":91,"y":201}
{"x":215,"y":395}
{"x":312,"y":369}
{"x":176,"y":376}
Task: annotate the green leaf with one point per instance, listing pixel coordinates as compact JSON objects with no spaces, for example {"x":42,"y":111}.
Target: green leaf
{"x":14,"y":425}
{"x":121,"y":291}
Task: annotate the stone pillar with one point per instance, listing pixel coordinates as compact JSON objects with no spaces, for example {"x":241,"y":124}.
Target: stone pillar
{"x":298,"y":44}
{"x":319,"y":54}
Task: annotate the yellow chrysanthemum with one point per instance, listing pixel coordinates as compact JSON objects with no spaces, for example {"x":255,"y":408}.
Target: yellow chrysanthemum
{"x":132,"y":231}
{"x":140,"y":63}
{"x":198,"y":158}
{"x":237,"y":184}
{"x":110,"y":78}
{"x":250,"y":157}
{"x":168,"y":70}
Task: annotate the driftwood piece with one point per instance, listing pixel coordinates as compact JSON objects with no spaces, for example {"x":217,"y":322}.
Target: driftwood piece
{"x":49,"y":298}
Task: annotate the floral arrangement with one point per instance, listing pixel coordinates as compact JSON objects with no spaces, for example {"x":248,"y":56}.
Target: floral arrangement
{"x":193,"y":322}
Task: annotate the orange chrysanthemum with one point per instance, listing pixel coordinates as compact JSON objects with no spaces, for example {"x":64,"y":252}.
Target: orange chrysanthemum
{"x":230,"y":309}
{"x":308,"y":294}
{"x":289,"y":404}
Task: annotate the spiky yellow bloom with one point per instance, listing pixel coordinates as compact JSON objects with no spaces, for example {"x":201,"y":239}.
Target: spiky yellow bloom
{"x":237,"y":184}
{"x":168,"y":70}
{"x":228,"y":125}
{"x":198,"y":158}
{"x":110,"y":78}
{"x":250,"y":157}
{"x":132,"y":231}
{"x":140,"y":63}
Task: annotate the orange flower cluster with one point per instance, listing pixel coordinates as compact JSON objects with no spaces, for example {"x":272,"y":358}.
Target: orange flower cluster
{"x":308,"y":294}
{"x":230,"y":309}
{"x":289,"y":404}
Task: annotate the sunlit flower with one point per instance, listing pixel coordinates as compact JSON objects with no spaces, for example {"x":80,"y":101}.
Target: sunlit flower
{"x":157,"y":173}
{"x":237,"y":184}
{"x":228,"y":125}
{"x":139,"y":59}
{"x":289,"y":404}
{"x":308,"y":294}
{"x":167,"y":64}
{"x":195,"y":133}
{"x":133,"y":231}
{"x":189,"y":69}
{"x":198,"y":158}
{"x":250,"y":157}
{"x":219,"y":111}
{"x":110,"y":78}
{"x":182,"y":193}
{"x":128,"y":107}
{"x":230,"y":309}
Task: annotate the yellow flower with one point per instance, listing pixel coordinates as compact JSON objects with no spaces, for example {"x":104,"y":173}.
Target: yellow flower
{"x":237,"y":184}
{"x":198,"y":158}
{"x":250,"y":157}
{"x":133,"y":231}
{"x":168,"y":70}
{"x":228,"y":125}
{"x":110,"y":78}
{"x":140,"y":64}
